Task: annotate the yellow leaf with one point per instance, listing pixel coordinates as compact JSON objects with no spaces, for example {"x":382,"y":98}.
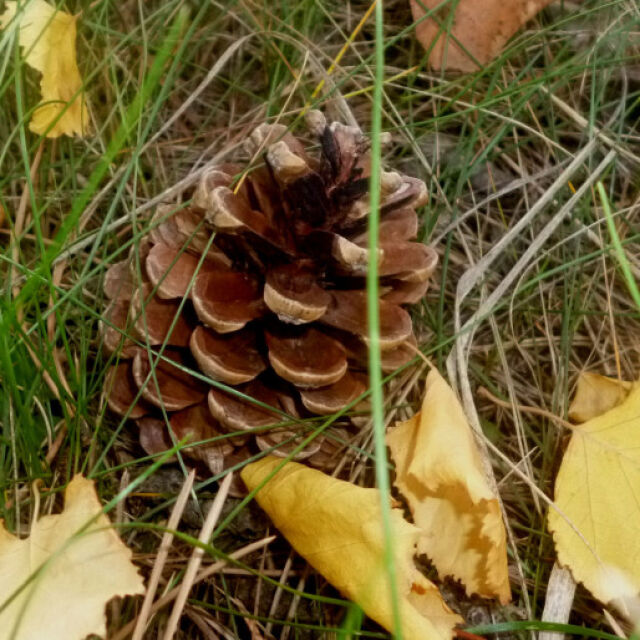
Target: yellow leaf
{"x":596,"y":394}
{"x":337,"y":527}
{"x":48,"y":41}
{"x":66,"y":597}
{"x":439,"y":472}
{"x":597,"y":494}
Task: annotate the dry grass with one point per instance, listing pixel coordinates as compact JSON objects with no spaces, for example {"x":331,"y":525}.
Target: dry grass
{"x":528,"y":294}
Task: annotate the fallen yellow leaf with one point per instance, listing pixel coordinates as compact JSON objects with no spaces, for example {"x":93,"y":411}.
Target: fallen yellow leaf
{"x":337,"y":527}
{"x":597,"y":495}
{"x":48,"y":41}
{"x":479,"y":29}
{"x":67,"y":578}
{"x":439,"y":472}
{"x":595,"y":395}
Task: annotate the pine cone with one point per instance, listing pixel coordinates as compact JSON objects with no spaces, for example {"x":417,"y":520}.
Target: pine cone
{"x":259,"y":284}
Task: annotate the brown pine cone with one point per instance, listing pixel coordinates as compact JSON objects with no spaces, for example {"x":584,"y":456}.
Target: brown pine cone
{"x":259,"y":286}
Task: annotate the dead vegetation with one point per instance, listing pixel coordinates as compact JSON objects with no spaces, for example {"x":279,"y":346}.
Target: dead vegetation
{"x":527,"y":295}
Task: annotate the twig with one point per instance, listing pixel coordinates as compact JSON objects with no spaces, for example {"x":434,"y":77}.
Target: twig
{"x":21,"y":213}
{"x":116,"y":603}
{"x":295,"y":601}
{"x":203,"y":575}
{"x":284,"y":576}
{"x":485,"y":393}
{"x":199,"y":621}
{"x":196,"y":557}
{"x":560,"y":591}
{"x":582,"y":122}
{"x":163,"y":553}
{"x":614,"y":624}
{"x":54,"y":447}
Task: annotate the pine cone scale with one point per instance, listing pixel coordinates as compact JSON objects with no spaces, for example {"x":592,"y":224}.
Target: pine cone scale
{"x":227,"y":300}
{"x":237,"y":415}
{"x":407,"y":261}
{"x":122,"y":391}
{"x":118,"y":284}
{"x":348,"y":312}
{"x":230,"y":213}
{"x":330,"y":399}
{"x":405,"y":292}
{"x":230,"y":358}
{"x":306,"y":357}
{"x":170,"y":270}
{"x":169,"y":387}
{"x":398,"y":226}
{"x":159,"y":321}
{"x":292,"y":293}
{"x":115,"y":329}
{"x":179,"y":228}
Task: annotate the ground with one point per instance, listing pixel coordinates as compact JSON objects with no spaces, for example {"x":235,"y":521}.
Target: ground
{"x":502,"y":151}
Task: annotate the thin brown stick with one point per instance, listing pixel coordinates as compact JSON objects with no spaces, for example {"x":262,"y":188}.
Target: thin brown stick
{"x":203,"y":575}
{"x":116,"y":604}
{"x":57,"y":443}
{"x":485,"y":393}
{"x":26,"y":236}
{"x":196,"y":557}
{"x":284,"y":576}
{"x":199,"y":621}
{"x":163,"y":553}
{"x":21,"y":216}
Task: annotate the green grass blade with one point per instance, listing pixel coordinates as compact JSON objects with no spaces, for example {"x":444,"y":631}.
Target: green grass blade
{"x":373,"y":317}
{"x":120,"y":138}
{"x":625,"y":267}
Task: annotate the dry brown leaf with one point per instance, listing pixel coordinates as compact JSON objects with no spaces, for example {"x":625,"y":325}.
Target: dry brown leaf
{"x":479,"y":30}
{"x":595,"y":395}
{"x":439,"y":472}
{"x":597,"y":496}
{"x":337,"y":527}
{"x":47,"y":38}
{"x":68,"y":572}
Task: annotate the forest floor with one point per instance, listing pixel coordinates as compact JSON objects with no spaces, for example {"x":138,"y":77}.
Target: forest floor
{"x":513,"y":142}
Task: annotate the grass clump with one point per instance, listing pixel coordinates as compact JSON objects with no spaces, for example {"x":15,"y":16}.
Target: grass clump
{"x":174,"y":84}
